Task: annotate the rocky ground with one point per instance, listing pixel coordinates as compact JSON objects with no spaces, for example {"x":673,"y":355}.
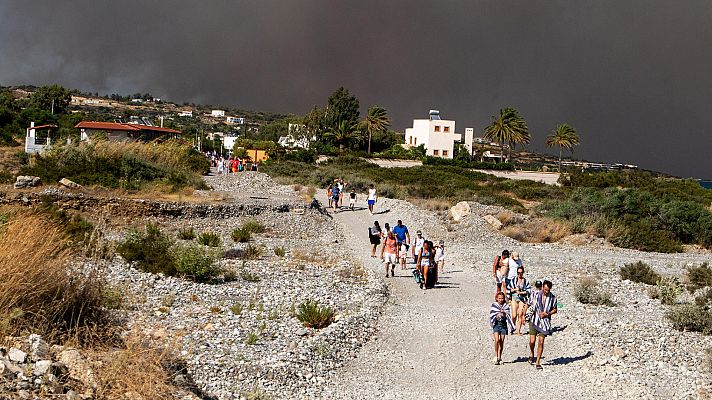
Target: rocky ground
{"x":390,"y":339}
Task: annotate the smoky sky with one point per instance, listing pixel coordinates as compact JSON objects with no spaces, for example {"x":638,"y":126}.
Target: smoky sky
{"x":633,"y":77}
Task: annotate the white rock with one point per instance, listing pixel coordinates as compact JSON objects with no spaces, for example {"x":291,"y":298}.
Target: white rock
{"x":494,"y":222}
{"x":17,"y":355}
{"x":41,"y":367}
{"x":460,"y":210}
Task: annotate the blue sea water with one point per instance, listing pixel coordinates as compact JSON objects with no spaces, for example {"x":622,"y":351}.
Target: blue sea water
{"x":706,"y":184}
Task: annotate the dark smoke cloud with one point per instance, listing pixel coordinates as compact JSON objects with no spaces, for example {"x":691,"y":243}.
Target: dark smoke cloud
{"x":634,"y":77}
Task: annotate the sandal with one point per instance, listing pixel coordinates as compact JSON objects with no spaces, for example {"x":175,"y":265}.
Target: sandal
{"x":531,"y":360}
{"x":538,"y":366}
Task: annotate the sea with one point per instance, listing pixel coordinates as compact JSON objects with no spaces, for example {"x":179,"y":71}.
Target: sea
{"x":706,"y":184}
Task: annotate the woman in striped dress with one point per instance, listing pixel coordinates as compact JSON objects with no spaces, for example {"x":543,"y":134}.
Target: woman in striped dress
{"x":540,"y":326}
{"x":501,"y":322}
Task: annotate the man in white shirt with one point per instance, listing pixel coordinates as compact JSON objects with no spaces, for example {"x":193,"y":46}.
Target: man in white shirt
{"x":372,"y":197}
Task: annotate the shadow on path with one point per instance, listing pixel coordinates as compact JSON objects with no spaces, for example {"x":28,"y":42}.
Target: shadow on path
{"x":569,"y":360}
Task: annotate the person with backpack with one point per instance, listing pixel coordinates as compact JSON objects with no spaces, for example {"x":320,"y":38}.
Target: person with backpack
{"x":389,"y":253}
{"x":500,"y":317}
{"x":335,"y":194}
{"x":374,"y":236}
{"x":540,"y":325}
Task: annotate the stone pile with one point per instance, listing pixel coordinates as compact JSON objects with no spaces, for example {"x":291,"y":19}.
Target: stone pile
{"x":24,"y":182}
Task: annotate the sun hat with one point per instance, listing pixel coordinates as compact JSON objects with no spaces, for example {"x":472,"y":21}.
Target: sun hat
{"x":515,"y":255}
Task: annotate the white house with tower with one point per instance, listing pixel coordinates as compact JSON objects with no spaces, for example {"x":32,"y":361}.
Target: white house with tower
{"x":437,"y":135}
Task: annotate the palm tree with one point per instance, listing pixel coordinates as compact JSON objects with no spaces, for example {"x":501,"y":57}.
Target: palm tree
{"x":376,"y":121}
{"x":563,"y":136}
{"x":343,"y":134}
{"x":508,"y":127}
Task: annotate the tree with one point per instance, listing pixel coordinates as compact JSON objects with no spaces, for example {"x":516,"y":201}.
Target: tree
{"x":376,"y":121}
{"x":344,"y":134}
{"x":563,"y":136}
{"x":508,"y":127}
{"x":341,"y":106}
{"x":54,"y":99}
{"x":315,"y":121}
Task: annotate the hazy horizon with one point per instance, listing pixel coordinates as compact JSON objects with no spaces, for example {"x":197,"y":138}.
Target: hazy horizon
{"x":631,"y":76}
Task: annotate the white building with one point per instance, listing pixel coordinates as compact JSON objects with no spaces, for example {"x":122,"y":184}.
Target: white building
{"x":37,"y":138}
{"x":217,"y":113}
{"x":185,"y":113}
{"x":229,"y":142}
{"x":235,"y":120}
{"x":438,"y":135}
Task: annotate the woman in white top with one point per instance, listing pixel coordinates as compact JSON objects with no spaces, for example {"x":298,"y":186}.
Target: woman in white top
{"x":372,"y":197}
{"x":440,"y":256}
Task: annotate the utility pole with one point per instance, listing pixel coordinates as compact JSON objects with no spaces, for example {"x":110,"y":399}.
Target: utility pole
{"x":53,"y":106}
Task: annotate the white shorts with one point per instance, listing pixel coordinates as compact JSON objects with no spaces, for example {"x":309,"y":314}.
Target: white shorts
{"x":352,"y":201}
{"x":390,"y":258}
{"x":441,"y":258}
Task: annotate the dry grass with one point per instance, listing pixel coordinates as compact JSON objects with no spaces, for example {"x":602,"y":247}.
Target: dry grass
{"x":537,"y":230}
{"x":136,"y":371}
{"x":37,"y":291}
{"x":432,"y":204}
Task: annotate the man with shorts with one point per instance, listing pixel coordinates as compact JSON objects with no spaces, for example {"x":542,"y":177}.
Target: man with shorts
{"x":389,"y":252}
{"x":372,"y":197}
{"x":402,"y":234}
{"x":544,"y":303}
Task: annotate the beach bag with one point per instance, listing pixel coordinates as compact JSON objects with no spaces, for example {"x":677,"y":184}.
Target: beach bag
{"x":418,"y":277}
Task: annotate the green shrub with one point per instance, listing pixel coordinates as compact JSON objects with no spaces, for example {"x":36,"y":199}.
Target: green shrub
{"x":252,"y":339}
{"x":150,"y":250}
{"x":112,"y":297}
{"x":588,"y":292}
{"x":690,"y":318}
{"x":249,"y":276}
{"x":253,"y":252}
{"x":280,"y":251}
{"x":668,"y":290}
{"x":229,"y":275}
{"x":186,"y":234}
{"x":195,"y":263}
{"x":236,"y":308}
{"x":639,"y":272}
{"x":254,"y":226}
{"x":699,"y":277}
{"x":312,"y":315}
{"x":704,"y":299}
{"x":241,"y":235}
{"x":209,"y":239}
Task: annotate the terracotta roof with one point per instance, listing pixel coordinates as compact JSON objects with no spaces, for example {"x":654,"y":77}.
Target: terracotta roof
{"x":108,"y":126}
{"x":42,"y":126}
{"x":115,"y":126}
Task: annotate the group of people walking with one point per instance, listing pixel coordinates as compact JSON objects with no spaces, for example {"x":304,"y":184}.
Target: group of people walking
{"x":336,"y":191}
{"x":230,"y":165}
{"x":397,"y":248}
{"x":517,"y":303}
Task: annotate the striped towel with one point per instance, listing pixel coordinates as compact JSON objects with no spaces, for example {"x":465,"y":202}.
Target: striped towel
{"x":543,"y":325}
{"x":495,"y":309}
{"x":523,"y":287}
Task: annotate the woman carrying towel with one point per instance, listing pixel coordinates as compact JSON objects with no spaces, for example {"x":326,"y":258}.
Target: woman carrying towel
{"x":501,"y":322}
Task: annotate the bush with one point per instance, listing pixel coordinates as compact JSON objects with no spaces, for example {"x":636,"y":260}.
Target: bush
{"x":150,"y":250}
{"x":639,"y":272}
{"x":249,"y":276}
{"x":312,"y":315}
{"x":254,"y":252}
{"x":699,"y":277}
{"x":254,"y":226}
{"x":668,"y":290}
{"x":186,"y":234}
{"x":280,"y":251}
{"x":209,"y":239}
{"x":690,"y":318}
{"x":236,"y":308}
{"x":241,"y":235}
{"x":252,"y":339}
{"x":195,"y":263}
{"x":588,"y":292}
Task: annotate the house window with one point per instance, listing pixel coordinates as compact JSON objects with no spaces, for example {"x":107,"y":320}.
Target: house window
{"x":410,"y":139}
{"x":435,"y":152}
{"x":437,"y":128}
{"x":415,"y":141}
{"x":444,"y":153}
{"x":447,"y":129}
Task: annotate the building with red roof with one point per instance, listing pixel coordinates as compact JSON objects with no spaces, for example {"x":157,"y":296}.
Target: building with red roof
{"x":124,"y":131}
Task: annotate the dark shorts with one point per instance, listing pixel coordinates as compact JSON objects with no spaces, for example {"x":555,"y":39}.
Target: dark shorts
{"x":371,"y":202}
{"x":375,"y":240}
{"x":502,"y":330}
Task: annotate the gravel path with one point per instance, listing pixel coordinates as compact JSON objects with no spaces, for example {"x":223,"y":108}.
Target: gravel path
{"x":437,"y":344}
